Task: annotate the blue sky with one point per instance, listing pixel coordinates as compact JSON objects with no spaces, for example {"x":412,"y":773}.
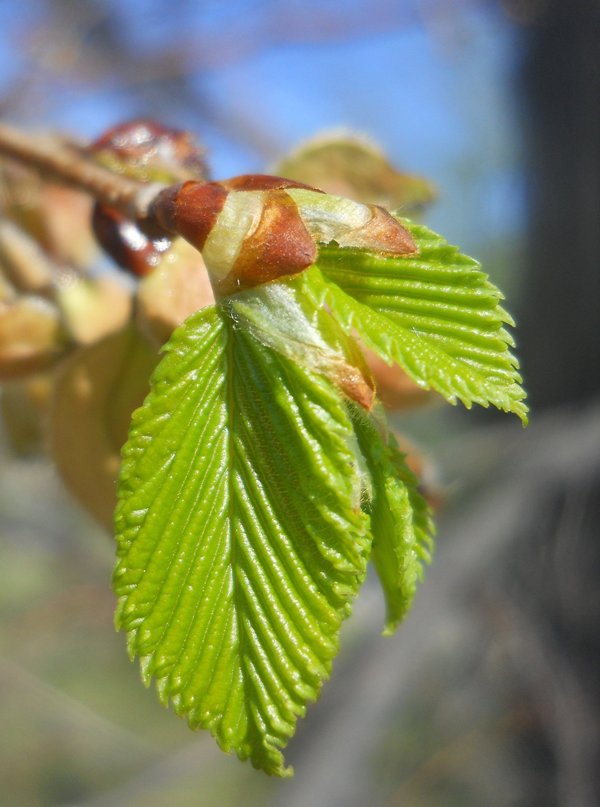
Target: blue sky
{"x":435,"y":93}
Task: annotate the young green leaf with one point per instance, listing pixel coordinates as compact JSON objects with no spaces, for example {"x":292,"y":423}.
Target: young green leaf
{"x":241,"y":539}
{"x":400,"y":518}
{"x":284,"y":316}
{"x":434,"y":313}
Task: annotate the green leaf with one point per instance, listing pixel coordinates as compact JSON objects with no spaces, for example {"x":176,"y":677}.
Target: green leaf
{"x":434,"y":313}
{"x":241,"y":540}
{"x":400,"y":518}
{"x":284,"y":316}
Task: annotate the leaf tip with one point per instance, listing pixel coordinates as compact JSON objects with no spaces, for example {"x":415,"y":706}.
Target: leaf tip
{"x":390,"y":627}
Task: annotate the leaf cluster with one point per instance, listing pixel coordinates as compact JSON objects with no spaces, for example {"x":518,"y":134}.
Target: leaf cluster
{"x":260,"y":476}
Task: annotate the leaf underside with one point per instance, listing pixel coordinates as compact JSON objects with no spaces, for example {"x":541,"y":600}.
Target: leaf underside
{"x":241,"y":541}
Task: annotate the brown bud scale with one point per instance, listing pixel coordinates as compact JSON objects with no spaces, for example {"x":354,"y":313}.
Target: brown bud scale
{"x":280,"y":245}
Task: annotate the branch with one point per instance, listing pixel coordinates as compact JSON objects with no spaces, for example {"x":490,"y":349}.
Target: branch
{"x":61,"y":163}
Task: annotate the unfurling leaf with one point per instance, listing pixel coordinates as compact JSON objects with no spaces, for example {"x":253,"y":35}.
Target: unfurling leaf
{"x":259,"y":474}
{"x":434,"y":313}
{"x":400,"y":519}
{"x":241,"y":538}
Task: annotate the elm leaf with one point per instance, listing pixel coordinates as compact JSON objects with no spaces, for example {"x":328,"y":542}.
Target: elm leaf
{"x":434,"y":313}
{"x":400,"y":517}
{"x":241,"y":539}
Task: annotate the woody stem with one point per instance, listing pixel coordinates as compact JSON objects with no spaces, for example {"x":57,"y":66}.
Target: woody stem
{"x":64,"y":164}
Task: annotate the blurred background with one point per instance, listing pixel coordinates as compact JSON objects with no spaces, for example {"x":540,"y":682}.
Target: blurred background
{"x":488,"y":695}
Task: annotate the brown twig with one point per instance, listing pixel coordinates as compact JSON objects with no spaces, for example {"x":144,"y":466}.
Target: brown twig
{"x":56,"y":161}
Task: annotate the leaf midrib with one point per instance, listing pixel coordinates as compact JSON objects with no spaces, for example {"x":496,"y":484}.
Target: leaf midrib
{"x":232,"y":409}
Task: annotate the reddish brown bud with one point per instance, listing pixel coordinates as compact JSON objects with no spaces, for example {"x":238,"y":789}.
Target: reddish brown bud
{"x":358,"y":386}
{"x":127,"y":245}
{"x":256,"y":228}
{"x":280,"y":245}
{"x":150,"y":151}
{"x":263,"y":182}
{"x":383,"y":233}
{"x":190,"y":210}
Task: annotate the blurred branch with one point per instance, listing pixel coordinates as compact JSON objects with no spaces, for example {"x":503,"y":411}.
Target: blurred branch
{"x":55,"y":161}
{"x":210,"y":40}
{"x":37,"y":691}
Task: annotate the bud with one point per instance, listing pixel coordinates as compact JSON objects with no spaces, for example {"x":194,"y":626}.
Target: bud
{"x":146,"y":150}
{"x":347,"y":164}
{"x":127,"y":245}
{"x":149,"y":152}
{"x":352,"y":224}
{"x":253,"y":229}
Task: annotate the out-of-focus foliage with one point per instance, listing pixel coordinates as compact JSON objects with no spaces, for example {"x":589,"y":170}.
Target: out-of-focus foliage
{"x":346,"y":165}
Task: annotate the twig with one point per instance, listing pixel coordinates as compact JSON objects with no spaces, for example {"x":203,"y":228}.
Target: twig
{"x":58,"y":162}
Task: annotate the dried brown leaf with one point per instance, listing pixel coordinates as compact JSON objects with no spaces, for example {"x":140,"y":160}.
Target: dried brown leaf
{"x":95,"y":392}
